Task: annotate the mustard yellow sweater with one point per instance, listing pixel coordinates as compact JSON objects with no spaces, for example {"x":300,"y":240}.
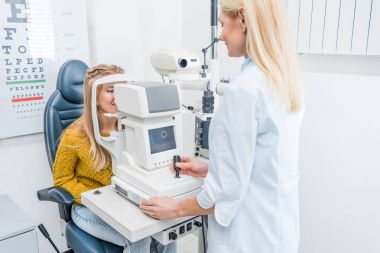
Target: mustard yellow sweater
{"x":74,"y":167}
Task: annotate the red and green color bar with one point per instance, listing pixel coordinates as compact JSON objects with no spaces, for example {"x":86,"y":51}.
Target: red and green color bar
{"x":16,"y":100}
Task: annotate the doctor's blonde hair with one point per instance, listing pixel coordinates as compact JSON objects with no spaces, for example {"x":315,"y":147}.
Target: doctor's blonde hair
{"x":100,"y":156}
{"x":270,"y":46}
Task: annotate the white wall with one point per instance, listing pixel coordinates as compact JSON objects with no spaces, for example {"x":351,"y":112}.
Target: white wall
{"x":340,"y":206}
{"x":339,"y":163}
{"x":126,"y":32}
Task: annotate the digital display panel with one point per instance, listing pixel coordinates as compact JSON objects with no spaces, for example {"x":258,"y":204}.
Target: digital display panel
{"x":161,"y":139}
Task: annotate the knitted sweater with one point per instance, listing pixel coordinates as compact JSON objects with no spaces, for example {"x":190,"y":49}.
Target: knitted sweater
{"x":73,"y":167}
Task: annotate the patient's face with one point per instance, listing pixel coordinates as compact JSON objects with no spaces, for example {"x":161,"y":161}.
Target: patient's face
{"x":106,"y":99}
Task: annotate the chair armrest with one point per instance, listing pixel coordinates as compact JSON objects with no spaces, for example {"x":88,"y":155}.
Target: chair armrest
{"x":56,"y":194}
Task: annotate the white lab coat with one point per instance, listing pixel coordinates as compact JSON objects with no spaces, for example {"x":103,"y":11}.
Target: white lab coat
{"x":253,"y":171}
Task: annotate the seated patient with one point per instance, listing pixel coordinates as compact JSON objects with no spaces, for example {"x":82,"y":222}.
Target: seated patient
{"x":81,"y":164}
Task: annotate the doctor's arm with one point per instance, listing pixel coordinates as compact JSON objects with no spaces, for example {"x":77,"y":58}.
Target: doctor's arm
{"x":232,"y":154}
{"x":168,"y":208}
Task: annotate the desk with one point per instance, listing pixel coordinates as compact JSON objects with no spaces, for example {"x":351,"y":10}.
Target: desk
{"x":17,"y":232}
{"x":124,"y":216}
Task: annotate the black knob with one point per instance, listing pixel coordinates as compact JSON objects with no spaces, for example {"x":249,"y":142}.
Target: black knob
{"x":182,"y":62}
{"x":197,"y":223}
{"x":172,"y":236}
{"x":176,"y":159}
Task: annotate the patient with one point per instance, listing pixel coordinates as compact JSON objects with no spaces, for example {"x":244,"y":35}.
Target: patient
{"x":81,"y":164}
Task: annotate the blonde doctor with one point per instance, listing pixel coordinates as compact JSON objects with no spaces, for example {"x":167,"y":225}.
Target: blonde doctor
{"x":251,"y":181}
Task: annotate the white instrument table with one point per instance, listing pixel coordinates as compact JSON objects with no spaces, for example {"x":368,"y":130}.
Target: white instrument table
{"x":124,"y":216}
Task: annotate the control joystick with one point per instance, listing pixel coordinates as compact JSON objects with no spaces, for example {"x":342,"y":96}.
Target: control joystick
{"x":176,"y":159}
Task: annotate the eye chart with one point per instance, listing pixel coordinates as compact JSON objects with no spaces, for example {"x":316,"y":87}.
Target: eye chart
{"x":37,"y":37}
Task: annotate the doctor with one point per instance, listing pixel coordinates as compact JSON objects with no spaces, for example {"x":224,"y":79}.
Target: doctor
{"x":251,"y":181}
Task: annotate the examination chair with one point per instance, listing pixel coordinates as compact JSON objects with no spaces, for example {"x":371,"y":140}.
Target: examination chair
{"x":63,"y":107}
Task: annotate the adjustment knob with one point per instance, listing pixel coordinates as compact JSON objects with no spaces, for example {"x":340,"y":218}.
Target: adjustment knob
{"x":172,"y":235}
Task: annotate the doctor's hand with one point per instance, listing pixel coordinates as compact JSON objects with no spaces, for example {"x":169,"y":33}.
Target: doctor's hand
{"x":192,"y":166}
{"x":160,"y":207}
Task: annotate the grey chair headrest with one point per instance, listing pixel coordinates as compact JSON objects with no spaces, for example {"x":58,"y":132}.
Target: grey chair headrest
{"x":70,"y":80}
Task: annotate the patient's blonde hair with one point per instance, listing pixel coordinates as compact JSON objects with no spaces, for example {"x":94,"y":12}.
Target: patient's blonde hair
{"x":99,"y":154}
{"x":270,"y":46}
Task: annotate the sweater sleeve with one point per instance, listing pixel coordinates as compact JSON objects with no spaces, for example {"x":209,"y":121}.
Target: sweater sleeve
{"x":65,"y":166}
